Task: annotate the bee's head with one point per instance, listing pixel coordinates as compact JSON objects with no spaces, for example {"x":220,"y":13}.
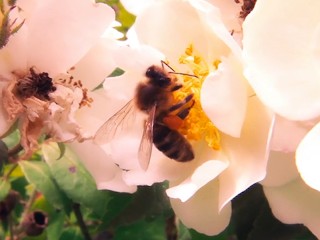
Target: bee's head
{"x":158,"y":77}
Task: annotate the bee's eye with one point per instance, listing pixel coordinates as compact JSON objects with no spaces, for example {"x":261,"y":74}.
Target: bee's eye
{"x":150,"y":71}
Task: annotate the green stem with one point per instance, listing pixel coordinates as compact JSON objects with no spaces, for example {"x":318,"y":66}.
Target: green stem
{"x":10,"y":227}
{"x":26,"y":211}
{"x":15,"y":150}
{"x":10,"y":171}
{"x":81,"y":223}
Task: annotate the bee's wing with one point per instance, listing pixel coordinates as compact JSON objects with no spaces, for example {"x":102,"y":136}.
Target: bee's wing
{"x":114,"y":125}
{"x":146,"y":143}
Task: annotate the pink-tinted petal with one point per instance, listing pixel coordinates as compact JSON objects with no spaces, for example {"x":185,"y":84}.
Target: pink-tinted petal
{"x":137,"y":59}
{"x":4,"y":123}
{"x":162,"y":168}
{"x":117,"y":184}
{"x":229,"y":11}
{"x":14,"y":55}
{"x":137,"y":6}
{"x":170,"y":26}
{"x":62,"y":31}
{"x":308,"y":158}
{"x":210,"y":17}
{"x":281,"y":169}
{"x":294,"y":203}
{"x":96,"y":65}
{"x":280,"y":54}
{"x":91,"y":118}
{"x":287,"y":134}
{"x":200,"y":177}
{"x":135,"y":62}
{"x":248,"y":155}
{"x":224,"y":97}
{"x":101,"y":169}
{"x":201,"y":212}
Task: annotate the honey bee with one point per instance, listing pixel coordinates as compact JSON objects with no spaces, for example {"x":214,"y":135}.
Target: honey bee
{"x":155,"y":98}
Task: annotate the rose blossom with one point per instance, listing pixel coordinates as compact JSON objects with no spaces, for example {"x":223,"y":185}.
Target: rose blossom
{"x":228,"y":138}
{"x":285,"y":74}
{"x":39,"y":83}
{"x":282,"y":55}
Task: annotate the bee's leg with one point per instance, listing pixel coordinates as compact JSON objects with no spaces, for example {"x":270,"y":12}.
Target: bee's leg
{"x":185,"y":112}
{"x":181,"y":103}
{"x":176,"y":87}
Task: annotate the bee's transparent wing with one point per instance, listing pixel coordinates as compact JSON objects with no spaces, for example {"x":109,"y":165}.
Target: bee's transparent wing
{"x":115,"y":124}
{"x":146,"y":143}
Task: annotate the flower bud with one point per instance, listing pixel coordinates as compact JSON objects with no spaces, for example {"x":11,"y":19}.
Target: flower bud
{"x":8,"y":204}
{"x":35,"y":222}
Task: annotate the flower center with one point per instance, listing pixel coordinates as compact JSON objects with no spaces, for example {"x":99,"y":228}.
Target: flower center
{"x":34,"y":84}
{"x":197,"y":125}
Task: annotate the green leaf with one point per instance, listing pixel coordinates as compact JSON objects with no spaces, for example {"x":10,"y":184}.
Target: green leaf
{"x":17,"y":28}
{"x":62,"y":148}
{"x":56,"y":225}
{"x":71,"y":233}
{"x":3,"y":154}
{"x":158,"y":205}
{"x":5,"y":187}
{"x":38,"y":174}
{"x":75,"y":180}
{"x":115,"y":73}
{"x":143,"y":230}
{"x":5,"y":29}
{"x":12,"y":139}
{"x":183,"y":232}
{"x":266,"y":226}
{"x":117,"y":204}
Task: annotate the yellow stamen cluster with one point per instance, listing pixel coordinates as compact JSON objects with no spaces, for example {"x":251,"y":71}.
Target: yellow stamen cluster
{"x":197,"y":125}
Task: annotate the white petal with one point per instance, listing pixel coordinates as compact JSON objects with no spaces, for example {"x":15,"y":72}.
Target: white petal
{"x":224,"y":97}
{"x":295,"y":203}
{"x":248,"y":155}
{"x":201,"y":212}
{"x":308,"y":158}
{"x":281,"y":56}
{"x":287,"y":134}
{"x":200,"y":177}
{"x":278,"y":164}
{"x":62,"y":31}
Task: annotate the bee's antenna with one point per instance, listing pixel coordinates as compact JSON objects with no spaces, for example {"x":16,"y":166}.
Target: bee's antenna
{"x":174,"y":72}
{"x":184,"y":74}
{"x":164,"y":63}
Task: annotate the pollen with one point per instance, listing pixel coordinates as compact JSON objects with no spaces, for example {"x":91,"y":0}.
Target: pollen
{"x":197,"y":125}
